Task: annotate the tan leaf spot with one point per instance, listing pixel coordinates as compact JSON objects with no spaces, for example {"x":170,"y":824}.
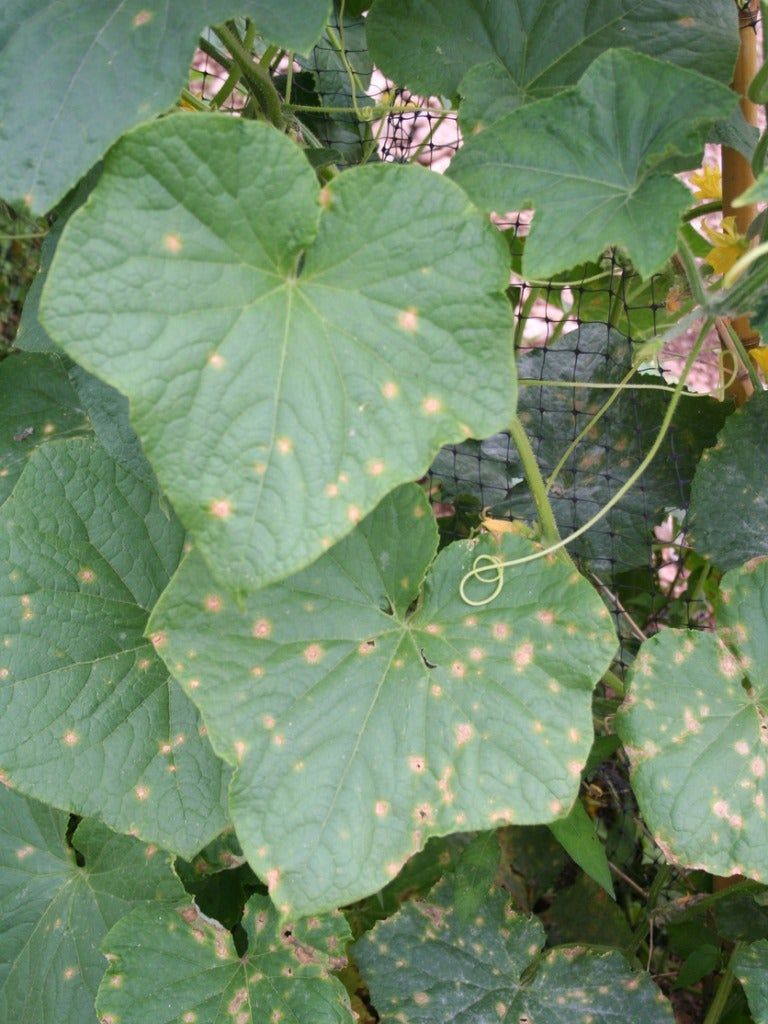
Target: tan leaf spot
{"x":389,"y":389}
{"x":240,"y":749}
{"x":408,"y":319}
{"x":523,"y":656}
{"x":213,"y":603}
{"x":221,"y":508}
{"x":217,"y":361}
{"x":463,"y":733}
{"x":431,"y":405}
{"x":142,"y":18}
{"x":262,"y":628}
{"x":86,"y":575}
{"x":284,"y":445}
{"x":375,"y":467}
{"x":500,"y":631}
{"x":332,"y":490}
{"x":354,"y":515}
{"x":420,"y":998}
{"x":545,"y":617}
{"x":172,"y":243}
{"x":416,"y":764}
{"x":142,"y":792}
{"x":313,"y":654}
{"x":382,"y":808}
{"x":158,"y":640}
{"x":71,"y":738}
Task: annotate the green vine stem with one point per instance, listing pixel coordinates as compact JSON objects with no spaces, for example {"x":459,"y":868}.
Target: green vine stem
{"x":488,"y":569}
{"x":715,"y":1011}
{"x":734,"y":342}
{"x":536,"y":484}
{"x":591,"y":422}
{"x":255,"y":75}
{"x":703,"y":210}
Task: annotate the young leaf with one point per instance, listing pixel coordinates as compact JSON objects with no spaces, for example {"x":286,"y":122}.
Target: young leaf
{"x":571,"y":158}
{"x":90,"y":720}
{"x":576,"y":833}
{"x":427,"y":966}
{"x":520,"y":52}
{"x":37,"y":404}
{"x":173,"y":964}
{"x":96,"y":73}
{"x":729,"y":495}
{"x":695,"y":726}
{"x":751,"y":968}
{"x":54,"y":913}
{"x":360,"y":726}
{"x":371,"y":316}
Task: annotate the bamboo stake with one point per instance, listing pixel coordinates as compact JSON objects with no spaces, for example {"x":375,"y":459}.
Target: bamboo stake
{"x":737,"y":175}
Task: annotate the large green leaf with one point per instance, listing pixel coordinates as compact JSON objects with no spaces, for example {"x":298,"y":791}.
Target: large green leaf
{"x":602,"y":461}
{"x":95,"y":68}
{"x":751,"y":968}
{"x":533,"y":49}
{"x":54,"y":912}
{"x":90,"y":720}
{"x":729,"y":496}
{"x":361,"y":727}
{"x":596,"y":162}
{"x":427,"y":965}
{"x":175,"y":966}
{"x":37,"y":404}
{"x":317,"y":348}
{"x":695,"y":726}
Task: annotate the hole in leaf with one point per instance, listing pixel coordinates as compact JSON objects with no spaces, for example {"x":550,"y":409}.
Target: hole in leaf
{"x":426,"y":660}
{"x":74,"y":821}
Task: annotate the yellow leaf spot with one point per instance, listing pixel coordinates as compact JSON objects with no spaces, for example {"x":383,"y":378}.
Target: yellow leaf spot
{"x":194,"y":684}
{"x":86,"y":575}
{"x":389,"y":389}
{"x":262,"y":628}
{"x":284,"y":445}
{"x":272,"y":877}
{"x":213,"y":603}
{"x":268,"y":721}
{"x":142,"y":18}
{"x":555,"y":806}
{"x":741,"y":747}
{"x":24,"y":851}
{"x":172,"y":244}
{"x":70,"y":973}
{"x":354,"y":515}
{"x":546,"y":617}
{"x":458,"y":669}
{"x":375,"y":467}
{"x":431,"y":405}
{"x":240,"y":749}
{"x":500,"y":631}
{"x":332,"y":490}
{"x":142,"y":792}
{"x":71,"y":738}
{"x":420,"y":998}
{"x":476,"y":653}
{"x":574,"y":768}
{"x":382,"y":808}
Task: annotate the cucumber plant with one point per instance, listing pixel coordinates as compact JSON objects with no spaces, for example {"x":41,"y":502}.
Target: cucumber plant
{"x":273,"y":745}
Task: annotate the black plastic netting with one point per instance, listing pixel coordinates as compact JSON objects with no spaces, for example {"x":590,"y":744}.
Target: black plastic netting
{"x":583,"y":330}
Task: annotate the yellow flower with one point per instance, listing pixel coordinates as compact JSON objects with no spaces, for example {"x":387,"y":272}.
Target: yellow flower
{"x":759,"y":357}
{"x":728,"y":245}
{"x":708,"y":182}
